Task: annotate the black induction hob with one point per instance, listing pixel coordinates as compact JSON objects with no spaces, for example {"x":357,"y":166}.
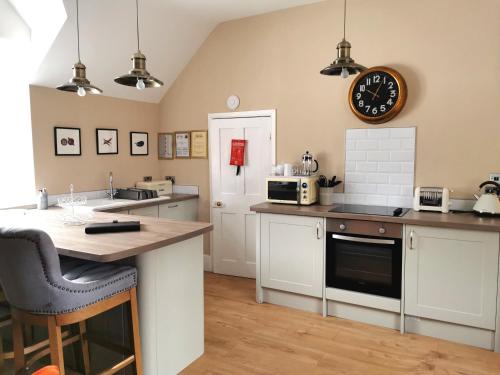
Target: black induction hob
{"x":370,"y":210}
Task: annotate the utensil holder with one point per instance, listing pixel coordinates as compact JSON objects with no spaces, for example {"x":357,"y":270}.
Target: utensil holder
{"x":326,"y":196}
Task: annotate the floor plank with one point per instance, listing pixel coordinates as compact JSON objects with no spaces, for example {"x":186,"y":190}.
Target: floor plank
{"x":243,"y":337}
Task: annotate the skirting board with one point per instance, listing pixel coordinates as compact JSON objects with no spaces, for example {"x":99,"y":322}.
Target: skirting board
{"x":295,"y":301}
{"x":364,"y":314}
{"x":207,"y":262}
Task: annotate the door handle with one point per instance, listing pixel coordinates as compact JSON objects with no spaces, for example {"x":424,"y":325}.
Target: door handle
{"x":411,"y":239}
{"x":218,"y":204}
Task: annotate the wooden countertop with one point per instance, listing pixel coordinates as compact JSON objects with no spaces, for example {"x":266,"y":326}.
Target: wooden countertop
{"x":147,"y":202}
{"x":72,"y":240}
{"x":456,"y":220}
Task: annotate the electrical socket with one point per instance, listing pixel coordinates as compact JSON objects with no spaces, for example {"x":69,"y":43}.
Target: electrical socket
{"x":495,"y":177}
{"x":170,"y":178}
{"x":147,"y":178}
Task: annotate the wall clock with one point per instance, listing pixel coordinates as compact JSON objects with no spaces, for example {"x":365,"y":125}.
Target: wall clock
{"x":233,"y":102}
{"x":377,"y":95}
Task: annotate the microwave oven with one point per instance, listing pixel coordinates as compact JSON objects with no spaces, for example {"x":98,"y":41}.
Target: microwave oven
{"x":292,"y":190}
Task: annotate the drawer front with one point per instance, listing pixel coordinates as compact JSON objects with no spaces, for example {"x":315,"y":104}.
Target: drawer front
{"x":363,"y":227}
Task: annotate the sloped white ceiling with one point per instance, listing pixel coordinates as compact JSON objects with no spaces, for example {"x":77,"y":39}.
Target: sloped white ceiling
{"x":171,"y":31}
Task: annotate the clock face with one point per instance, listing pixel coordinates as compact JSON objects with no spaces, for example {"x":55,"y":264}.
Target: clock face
{"x":377,"y":95}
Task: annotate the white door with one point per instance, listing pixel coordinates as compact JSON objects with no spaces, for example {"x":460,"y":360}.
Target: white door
{"x":232,"y":195}
{"x":451,"y":275}
{"x":292,"y":253}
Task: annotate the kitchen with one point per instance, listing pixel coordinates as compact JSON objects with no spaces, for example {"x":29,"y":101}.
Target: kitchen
{"x":271,"y":58}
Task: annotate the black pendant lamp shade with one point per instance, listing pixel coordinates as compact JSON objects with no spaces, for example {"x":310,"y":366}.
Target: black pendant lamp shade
{"x":138,"y":76}
{"x":79,"y":82}
{"x":343,"y":65}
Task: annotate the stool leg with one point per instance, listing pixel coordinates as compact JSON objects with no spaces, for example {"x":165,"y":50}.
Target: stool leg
{"x":135,"y":331}
{"x":85,"y":347}
{"x":56,"y":348}
{"x":18,"y":338}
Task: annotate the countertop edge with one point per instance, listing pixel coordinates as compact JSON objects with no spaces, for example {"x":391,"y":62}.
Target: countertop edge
{"x":429,"y":218}
{"x":147,"y":203}
{"x":106,"y":258}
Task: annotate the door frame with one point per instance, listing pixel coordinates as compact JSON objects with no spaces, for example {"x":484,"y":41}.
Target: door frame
{"x":271,"y":113}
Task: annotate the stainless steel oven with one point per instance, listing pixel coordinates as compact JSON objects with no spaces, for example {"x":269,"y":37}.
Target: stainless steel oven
{"x":364,"y":256}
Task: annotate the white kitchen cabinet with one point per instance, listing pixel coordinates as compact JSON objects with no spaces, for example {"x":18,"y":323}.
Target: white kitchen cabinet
{"x":151,"y":211}
{"x":451,"y":275}
{"x":292,"y":249}
{"x":183,"y":210}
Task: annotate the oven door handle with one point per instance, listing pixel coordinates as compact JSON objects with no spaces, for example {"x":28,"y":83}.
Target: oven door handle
{"x":363,"y":240}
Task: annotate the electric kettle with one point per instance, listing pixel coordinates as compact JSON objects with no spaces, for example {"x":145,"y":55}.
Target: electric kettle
{"x":307,"y":164}
{"x":488,"y":204}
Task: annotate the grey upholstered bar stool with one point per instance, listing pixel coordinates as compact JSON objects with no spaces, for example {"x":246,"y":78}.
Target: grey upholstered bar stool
{"x":44,"y":291}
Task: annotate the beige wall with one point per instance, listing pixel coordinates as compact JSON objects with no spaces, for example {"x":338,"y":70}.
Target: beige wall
{"x":50,"y":108}
{"x":447,"y":50}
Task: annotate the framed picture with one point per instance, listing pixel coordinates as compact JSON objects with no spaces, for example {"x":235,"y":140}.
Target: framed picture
{"x":106,"y":141}
{"x":165,"y":146}
{"x":182,"y":145}
{"x":139,"y":143}
{"x":199,"y":144}
{"x":67,"y":141}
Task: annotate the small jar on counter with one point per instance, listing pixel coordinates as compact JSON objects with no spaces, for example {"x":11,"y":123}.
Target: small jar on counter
{"x":43,"y":200}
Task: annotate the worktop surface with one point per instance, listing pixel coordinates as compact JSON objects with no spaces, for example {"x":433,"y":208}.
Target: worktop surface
{"x":72,"y":240}
{"x":456,"y":220}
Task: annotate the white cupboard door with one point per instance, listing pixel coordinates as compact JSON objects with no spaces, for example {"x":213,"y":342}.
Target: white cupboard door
{"x":181,"y":211}
{"x":292,"y":253}
{"x":151,"y":211}
{"x":451,"y":275}
{"x":232,"y":194}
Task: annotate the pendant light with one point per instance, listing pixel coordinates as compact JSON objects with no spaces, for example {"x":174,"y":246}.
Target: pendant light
{"x":79,"y":82}
{"x":138,"y":76}
{"x":343,"y":65}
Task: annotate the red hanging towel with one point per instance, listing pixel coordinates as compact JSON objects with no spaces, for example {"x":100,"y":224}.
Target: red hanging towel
{"x":238,"y":154}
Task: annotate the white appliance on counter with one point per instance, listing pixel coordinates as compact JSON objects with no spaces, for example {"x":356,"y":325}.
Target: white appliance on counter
{"x":300,"y":190}
{"x":162,"y":187}
{"x":432,"y":199}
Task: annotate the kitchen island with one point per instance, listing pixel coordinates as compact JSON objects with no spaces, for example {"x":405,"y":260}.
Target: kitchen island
{"x":169,"y":258}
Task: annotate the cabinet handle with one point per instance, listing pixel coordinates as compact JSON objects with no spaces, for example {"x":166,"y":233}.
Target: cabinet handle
{"x":175,"y":205}
{"x":318,"y":232}
{"x":411,"y":240}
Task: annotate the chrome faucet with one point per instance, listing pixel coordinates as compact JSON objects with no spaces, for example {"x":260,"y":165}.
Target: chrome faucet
{"x":112,"y":192}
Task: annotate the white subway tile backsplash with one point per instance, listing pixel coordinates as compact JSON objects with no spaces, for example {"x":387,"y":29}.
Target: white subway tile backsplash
{"x":401,"y":179}
{"x":350,"y":145}
{"x":380,"y":166}
{"x":366,"y":166}
{"x":350,"y":166}
{"x":390,"y":144}
{"x":402,"y":155}
{"x":375,"y":178}
{"x":355,"y":177}
{"x":356,"y":134}
{"x":407,"y":191}
{"x":388,"y":189}
{"x":367,"y":145}
{"x":389,"y":167}
{"x":355,"y":155}
{"x":408,"y":144}
{"x":376,"y":200}
{"x":377,"y":155}
{"x":378,"y":133}
{"x":402,"y":133}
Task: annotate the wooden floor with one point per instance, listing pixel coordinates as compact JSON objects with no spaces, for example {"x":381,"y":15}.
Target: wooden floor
{"x":243,"y":337}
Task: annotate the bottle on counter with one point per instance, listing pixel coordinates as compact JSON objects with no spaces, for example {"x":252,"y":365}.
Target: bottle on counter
{"x":43,"y":199}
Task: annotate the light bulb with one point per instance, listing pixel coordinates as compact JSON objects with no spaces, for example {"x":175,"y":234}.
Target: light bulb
{"x":81,"y":91}
{"x":344,"y":73}
{"x":140,"y":84}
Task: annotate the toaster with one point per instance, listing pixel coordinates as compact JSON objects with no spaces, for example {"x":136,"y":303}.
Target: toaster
{"x":432,"y":199}
{"x":161,"y":187}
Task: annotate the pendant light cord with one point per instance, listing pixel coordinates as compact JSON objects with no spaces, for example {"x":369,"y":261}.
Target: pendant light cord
{"x":137,"y":23}
{"x":345,"y":6}
{"x":78,"y":31}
